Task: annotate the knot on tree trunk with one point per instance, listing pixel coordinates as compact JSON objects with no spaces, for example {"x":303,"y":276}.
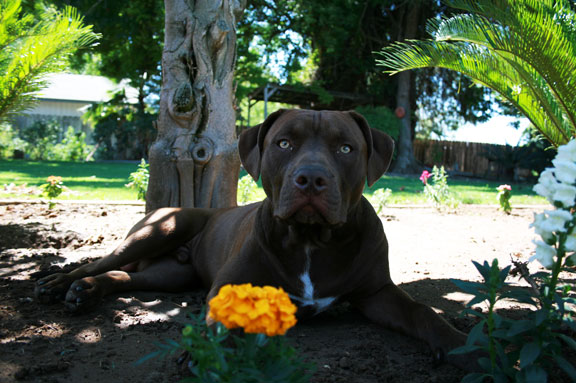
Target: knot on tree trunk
{"x":183,"y":99}
{"x":202,"y":150}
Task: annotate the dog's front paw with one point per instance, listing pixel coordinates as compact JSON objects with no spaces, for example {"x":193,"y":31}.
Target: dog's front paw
{"x":83,"y":295}
{"x":52,"y":288}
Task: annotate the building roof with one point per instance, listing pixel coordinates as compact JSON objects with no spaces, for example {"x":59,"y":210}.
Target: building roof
{"x":83,"y":88}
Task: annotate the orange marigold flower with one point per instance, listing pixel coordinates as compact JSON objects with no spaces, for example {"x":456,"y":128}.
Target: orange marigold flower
{"x":266,"y":310}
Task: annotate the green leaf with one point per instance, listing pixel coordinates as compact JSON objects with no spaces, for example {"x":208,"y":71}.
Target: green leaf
{"x":566,"y":366}
{"x":568,"y":340}
{"x":504,"y":273}
{"x":467,"y":286}
{"x":529,"y":353}
{"x":498,"y":320}
{"x":145,"y":358}
{"x":465,"y":349}
{"x":479,"y":298}
{"x":476,"y":335}
{"x":539,"y":317}
{"x":485,"y":363}
{"x":483,"y":269}
{"x":534,"y":374}
{"x":520,"y":326}
{"x":521,"y":296}
{"x":500,"y":334}
{"x":475,"y":313}
{"x":503,"y":356}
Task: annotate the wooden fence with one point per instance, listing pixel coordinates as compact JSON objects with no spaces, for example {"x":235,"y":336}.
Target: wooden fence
{"x":466,"y":158}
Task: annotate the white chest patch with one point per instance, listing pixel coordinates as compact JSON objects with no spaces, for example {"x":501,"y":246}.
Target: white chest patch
{"x":307,"y":298}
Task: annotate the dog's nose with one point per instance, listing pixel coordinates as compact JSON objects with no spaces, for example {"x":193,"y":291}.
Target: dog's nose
{"x":311,"y":179}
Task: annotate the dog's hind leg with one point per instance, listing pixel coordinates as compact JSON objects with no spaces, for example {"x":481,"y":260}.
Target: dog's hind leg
{"x":158,"y":234}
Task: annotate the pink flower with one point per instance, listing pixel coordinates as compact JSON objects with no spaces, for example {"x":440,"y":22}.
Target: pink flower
{"x":504,"y":187}
{"x":424,"y":177}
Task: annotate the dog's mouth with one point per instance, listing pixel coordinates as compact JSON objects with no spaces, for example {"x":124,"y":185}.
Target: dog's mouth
{"x":309,"y":214}
{"x":307,"y":211}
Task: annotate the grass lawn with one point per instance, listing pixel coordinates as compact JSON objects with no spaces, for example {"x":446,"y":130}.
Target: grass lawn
{"x":107,"y":180}
{"x":408,"y":190}
{"x":86,"y":180}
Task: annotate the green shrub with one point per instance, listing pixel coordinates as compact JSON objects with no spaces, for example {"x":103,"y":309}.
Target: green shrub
{"x":41,"y":141}
{"x":381,"y":118}
{"x":40,"y":137}
{"x":247,"y":190}
{"x":9,"y":142}
{"x":72,"y":148}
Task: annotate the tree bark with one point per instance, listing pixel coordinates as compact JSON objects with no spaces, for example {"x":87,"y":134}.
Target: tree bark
{"x":194,"y":160}
{"x":405,"y":161}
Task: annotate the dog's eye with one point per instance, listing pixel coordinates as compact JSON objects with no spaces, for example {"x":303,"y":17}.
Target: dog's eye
{"x":345,"y":149}
{"x":284,"y":144}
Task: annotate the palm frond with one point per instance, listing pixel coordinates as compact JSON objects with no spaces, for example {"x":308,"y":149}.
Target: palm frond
{"x":531,"y":44}
{"x":488,"y":69}
{"x":31,"y":54}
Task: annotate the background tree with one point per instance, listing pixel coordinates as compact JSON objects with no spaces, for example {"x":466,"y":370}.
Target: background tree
{"x":494,"y":45}
{"x":131,"y":46}
{"x":339,"y":39}
{"x":130,"y":49}
{"x":30,"y":49}
{"x":194,"y":160}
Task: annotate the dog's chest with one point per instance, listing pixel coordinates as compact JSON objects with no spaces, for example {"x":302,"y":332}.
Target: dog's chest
{"x":308,"y":296}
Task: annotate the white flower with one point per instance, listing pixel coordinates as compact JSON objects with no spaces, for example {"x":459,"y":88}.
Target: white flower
{"x":546,"y":184}
{"x":556,"y":221}
{"x":540,"y":228}
{"x":544,"y":254}
{"x":567,"y":152}
{"x":565,"y":194}
{"x":565,"y":171}
{"x":570,"y":244}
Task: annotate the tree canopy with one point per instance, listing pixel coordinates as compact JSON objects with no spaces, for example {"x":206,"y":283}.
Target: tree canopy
{"x":336,"y":42}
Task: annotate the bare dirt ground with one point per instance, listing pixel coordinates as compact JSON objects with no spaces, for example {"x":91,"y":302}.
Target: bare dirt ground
{"x":41,"y":343}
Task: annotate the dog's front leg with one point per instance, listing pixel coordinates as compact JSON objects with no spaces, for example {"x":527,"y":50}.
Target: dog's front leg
{"x":391,"y":307}
{"x":160,"y":233}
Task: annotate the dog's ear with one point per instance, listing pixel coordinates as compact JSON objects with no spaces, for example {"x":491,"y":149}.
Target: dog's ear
{"x":251,"y":142}
{"x":380,"y":149}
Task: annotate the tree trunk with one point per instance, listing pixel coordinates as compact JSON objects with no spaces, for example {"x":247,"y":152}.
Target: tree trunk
{"x":194,"y":160}
{"x":405,"y":161}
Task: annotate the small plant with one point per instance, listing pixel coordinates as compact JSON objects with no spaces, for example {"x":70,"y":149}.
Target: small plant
{"x":522,"y":350}
{"x":139,"y":180}
{"x":259,"y":354}
{"x":52,"y":189}
{"x":247,"y":190}
{"x":380,"y":199}
{"x":504,"y":194}
{"x":438,"y":192}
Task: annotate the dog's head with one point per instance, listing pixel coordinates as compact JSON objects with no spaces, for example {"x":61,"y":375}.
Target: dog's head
{"x":314,"y":164}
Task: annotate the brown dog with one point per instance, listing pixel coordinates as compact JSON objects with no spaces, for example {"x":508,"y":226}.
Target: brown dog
{"x":315,"y":235}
